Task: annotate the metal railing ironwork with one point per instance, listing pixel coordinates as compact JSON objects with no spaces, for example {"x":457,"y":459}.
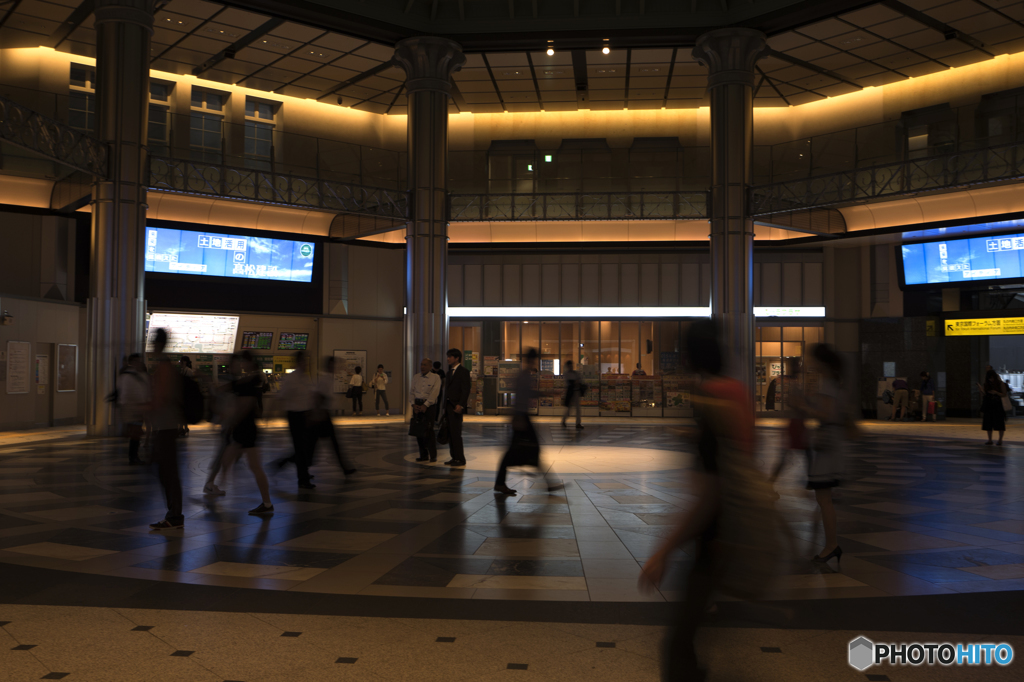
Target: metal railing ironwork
{"x":57,"y":141}
{"x":579,"y":206}
{"x":229,"y":182}
{"x":913,"y":176}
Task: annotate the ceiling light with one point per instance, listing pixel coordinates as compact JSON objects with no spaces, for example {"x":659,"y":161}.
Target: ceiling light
{"x":606,"y":50}
{"x":551,"y":51}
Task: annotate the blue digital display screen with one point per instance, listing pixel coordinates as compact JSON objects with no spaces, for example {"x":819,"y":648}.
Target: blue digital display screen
{"x":964,"y":260}
{"x":183,"y":252}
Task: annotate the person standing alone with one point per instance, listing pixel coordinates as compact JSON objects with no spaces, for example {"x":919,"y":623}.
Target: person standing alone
{"x":380,"y":386}
{"x":456,"y":399}
{"x":355,"y":391}
{"x":573,"y":394}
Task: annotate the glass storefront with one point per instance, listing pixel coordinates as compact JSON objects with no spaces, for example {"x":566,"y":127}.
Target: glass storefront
{"x":631,"y":367}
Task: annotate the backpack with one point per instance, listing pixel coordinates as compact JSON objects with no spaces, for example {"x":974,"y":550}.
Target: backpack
{"x":193,"y":404}
{"x":887,"y":397}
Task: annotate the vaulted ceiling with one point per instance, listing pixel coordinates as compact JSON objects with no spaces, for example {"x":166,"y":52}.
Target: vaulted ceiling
{"x":339,"y":51}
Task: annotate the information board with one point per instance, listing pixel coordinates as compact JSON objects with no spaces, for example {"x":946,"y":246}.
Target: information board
{"x":990,"y":326}
{"x":189,"y":333}
{"x":18,"y":366}
{"x":964,"y":260}
{"x":257,"y":340}
{"x":183,"y":252}
{"x":292,"y":341}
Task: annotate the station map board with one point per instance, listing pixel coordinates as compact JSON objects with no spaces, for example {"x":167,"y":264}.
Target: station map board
{"x":189,"y":333}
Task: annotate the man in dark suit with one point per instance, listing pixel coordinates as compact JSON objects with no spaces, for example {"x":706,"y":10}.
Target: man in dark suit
{"x":456,"y":397}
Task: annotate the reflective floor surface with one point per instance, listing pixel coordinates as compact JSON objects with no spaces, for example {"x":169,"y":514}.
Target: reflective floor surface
{"x":932,"y":528}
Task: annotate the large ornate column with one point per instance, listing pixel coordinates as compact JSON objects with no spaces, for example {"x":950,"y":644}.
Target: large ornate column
{"x":429,"y":63}
{"x":730,"y":55}
{"x":116,"y":309}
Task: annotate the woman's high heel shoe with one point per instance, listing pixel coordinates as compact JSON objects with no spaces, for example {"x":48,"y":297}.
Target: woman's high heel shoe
{"x":837,"y":553}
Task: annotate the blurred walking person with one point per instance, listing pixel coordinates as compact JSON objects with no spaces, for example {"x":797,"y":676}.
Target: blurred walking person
{"x":297,"y":397}
{"x":456,"y":399}
{"x":524,"y":449}
{"x":423,"y":396}
{"x":825,"y":471}
{"x":574,"y":388}
{"x":185,"y":367}
{"x":379,"y":383}
{"x":322,"y":425}
{"x":165,"y":419}
{"x":248,"y":390}
{"x":133,"y":398}
{"x":732,"y":521}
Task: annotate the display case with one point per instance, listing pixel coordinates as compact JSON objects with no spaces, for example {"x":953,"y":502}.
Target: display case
{"x":615,"y":395}
{"x":552,"y":392}
{"x":678,"y":393}
{"x":591,"y":400}
{"x":646,"y":395}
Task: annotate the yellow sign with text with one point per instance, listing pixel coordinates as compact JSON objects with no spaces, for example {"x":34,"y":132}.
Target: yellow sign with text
{"x":988,"y":326}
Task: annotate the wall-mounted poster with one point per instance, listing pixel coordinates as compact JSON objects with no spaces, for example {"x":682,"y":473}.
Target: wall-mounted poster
{"x":43,"y":370}
{"x":345,"y":363}
{"x":67,"y":367}
{"x":194,"y":333}
{"x":18,"y":366}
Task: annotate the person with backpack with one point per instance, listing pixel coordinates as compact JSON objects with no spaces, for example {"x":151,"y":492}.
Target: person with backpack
{"x":574,"y":390}
{"x":248,"y":391}
{"x":165,"y":418}
{"x":133,"y":398}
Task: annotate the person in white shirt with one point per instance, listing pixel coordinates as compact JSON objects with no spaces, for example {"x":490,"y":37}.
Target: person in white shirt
{"x":426,"y":387}
{"x":380,"y":385}
{"x":296,"y":396}
{"x":322,"y":426}
{"x":355,"y":391}
{"x":133,"y":397}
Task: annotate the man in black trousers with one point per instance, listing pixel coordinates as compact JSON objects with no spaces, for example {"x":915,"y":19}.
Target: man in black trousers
{"x":456,"y":396}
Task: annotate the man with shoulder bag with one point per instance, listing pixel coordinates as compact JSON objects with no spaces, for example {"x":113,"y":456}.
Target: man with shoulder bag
{"x":426,"y":387}
{"x":456,"y":399}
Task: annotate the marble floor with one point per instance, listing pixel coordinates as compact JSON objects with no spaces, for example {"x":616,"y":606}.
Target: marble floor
{"x":931,"y":523}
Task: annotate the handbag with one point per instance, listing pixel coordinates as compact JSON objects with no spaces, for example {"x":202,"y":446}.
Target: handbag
{"x":1007,"y":404}
{"x":419,"y":425}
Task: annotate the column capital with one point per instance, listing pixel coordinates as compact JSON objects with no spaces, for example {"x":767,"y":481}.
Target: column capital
{"x":730,"y":55}
{"x":138,"y":12}
{"x":429,"y":62}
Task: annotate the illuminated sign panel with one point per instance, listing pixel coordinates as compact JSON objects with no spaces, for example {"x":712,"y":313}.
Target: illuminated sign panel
{"x":964,"y":260}
{"x":182,"y":252}
{"x":988,"y":326}
{"x":194,"y":333}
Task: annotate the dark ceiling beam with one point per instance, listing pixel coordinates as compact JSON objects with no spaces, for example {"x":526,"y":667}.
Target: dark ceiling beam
{"x":813,"y":67}
{"x":475,"y":37}
{"x":668,"y":83}
{"x":81,"y":13}
{"x":231,"y":50}
{"x":494,"y":82}
{"x":460,"y":101}
{"x":772,"y":84}
{"x":946,"y":30}
{"x":10,"y":12}
{"x":189,"y":34}
{"x":383,"y":66}
{"x":579,"y":72}
{"x":533,"y":75}
{"x":294,"y":53}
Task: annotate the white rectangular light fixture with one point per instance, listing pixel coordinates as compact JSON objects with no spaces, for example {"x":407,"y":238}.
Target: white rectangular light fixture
{"x":536,"y":313}
{"x":791,"y":311}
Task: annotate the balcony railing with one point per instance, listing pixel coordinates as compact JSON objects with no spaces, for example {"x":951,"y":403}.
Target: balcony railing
{"x":941,"y":172}
{"x":57,"y":141}
{"x":579,"y":206}
{"x":227,"y":182}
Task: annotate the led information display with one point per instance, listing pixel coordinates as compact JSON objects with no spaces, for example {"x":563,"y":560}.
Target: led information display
{"x":989,"y":326}
{"x":223,"y":255}
{"x":195,"y":333}
{"x":960,"y":260}
{"x":257,"y":340}
{"x":292,"y":341}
